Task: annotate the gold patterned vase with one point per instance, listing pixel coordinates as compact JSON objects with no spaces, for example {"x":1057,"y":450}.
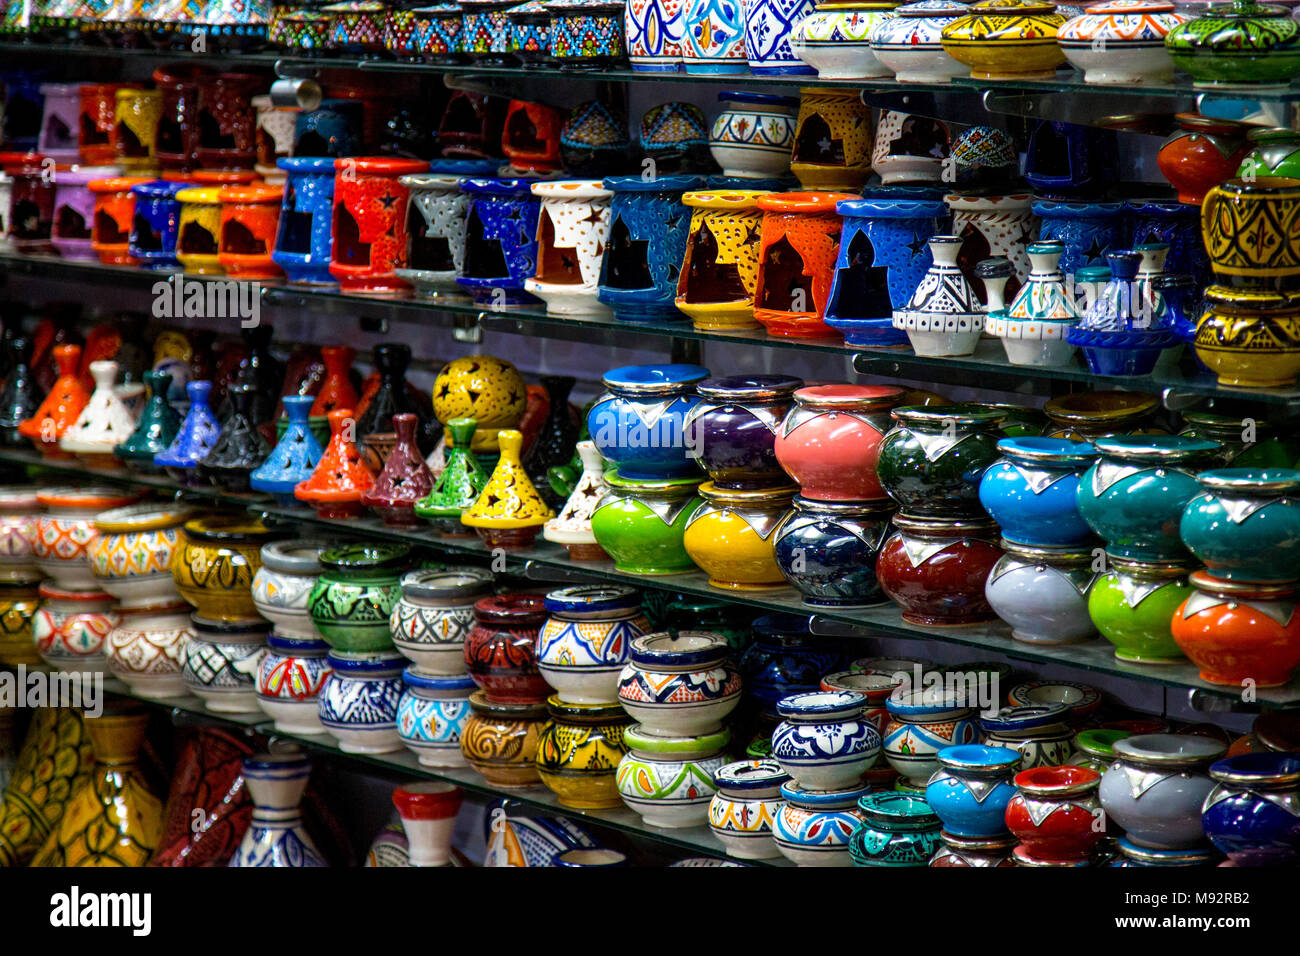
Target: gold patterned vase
{"x":55,"y":759}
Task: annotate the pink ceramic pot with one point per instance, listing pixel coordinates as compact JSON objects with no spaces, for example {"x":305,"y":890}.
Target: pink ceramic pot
{"x":830,"y":440}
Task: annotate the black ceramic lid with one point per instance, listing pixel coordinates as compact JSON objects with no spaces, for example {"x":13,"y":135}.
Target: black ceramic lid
{"x":235,"y":631}
{"x":440,"y":585}
{"x":385,"y":556}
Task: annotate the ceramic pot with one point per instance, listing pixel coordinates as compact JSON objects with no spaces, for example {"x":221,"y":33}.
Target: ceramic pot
{"x":909,"y":45}
{"x":404,"y":478}
{"x":1122,"y":42}
{"x":1042,"y":592}
{"x":1094,"y":748}
{"x":682,"y":685}
{"x":500,"y":241}
{"x":1251,"y":814}
{"x":1263,"y":38}
{"x":1241,"y":525}
{"x":198,"y":230}
{"x":713,"y":37}
{"x":922,"y":723}
{"x":500,"y":740}
{"x":1232,"y":209}
{"x":828,"y":551}
{"x":970,"y":791}
{"x":719,"y":273}
{"x":1243,"y":442}
{"x":215,"y":564}
{"x":131,"y":555}
{"x":304,"y":241}
{"x":430,"y":622}
{"x":832,"y":143}
{"x":835,"y":39}
{"x":276,"y":836}
{"x":642,"y":523}
{"x":769,"y":26}
{"x":500,"y":648}
{"x":283,"y":583}
{"x":19,"y":512}
{"x":71,"y":628}
{"x":358,"y":701}
{"x":19,"y":601}
{"x":932,"y":461}
{"x":1134,"y":495}
{"x":1054,"y":814}
{"x":586,"y":34}
{"x":1250,"y":337}
{"x":221,"y":663}
{"x":742,"y":812}
{"x":352,"y":600}
{"x":730,"y":536}
{"x":369,"y":224}
{"x":796,"y":262}
{"x":572,"y":526}
{"x":1100,"y":414}
{"x":290,"y":678}
{"x":669,"y":780}
{"x":146,"y":648}
{"x":341,"y":475}
{"x":831,"y":440}
{"x":641,"y":444}
{"x":66,"y":532}
{"x":1007,"y":40}
{"x":897,"y":829}
{"x":208,"y":777}
{"x":813,"y":827}
{"x":509,"y":510}
{"x":1038,"y":733}
{"x":578,"y":751}
{"x":752,"y":136}
{"x":1031,"y":491}
{"x":1237,"y":631}
{"x":824,"y":741}
{"x":784,"y":659}
{"x":584,"y":643}
{"x":529,"y":34}
{"x":1157,"y":786}
{"x":431,"y":716}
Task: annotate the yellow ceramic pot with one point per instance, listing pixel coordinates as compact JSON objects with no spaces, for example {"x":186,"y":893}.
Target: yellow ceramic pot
{"x":215,"y":564}
{"x":508,"y":512}
{"x":199,"y":232}
{"x":500,"y":740}
{"x":1250,"y":337}
{"x":55,"y":760}
{"x":832,"y":140}
{"x":131,"y":557}
{"x":1252,"y":231}
{"x":1007,"y":40}
{"x":19,"y":599}
{"x":482,"y":387}
{"x":579,"y":751}
{"x":720,"y":270}
{"x":135,"y":129}
{"x":730,"y":536}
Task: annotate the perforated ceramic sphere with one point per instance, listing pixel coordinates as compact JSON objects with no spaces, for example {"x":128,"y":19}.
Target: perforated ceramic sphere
{"x":482,"y":387}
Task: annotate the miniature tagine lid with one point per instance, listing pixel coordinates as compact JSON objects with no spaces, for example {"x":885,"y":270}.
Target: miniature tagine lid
{"x":509,"y":499}
{"x":342,"y":473}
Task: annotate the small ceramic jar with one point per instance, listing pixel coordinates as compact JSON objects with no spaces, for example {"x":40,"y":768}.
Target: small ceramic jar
{"x":71,"y":629}
{"x":682,"y":685}
{"x":1157,"y":786}
{"x":908,"y":43}
{"x":931,"y":461}
{"x":221,"y":663}
{"x":1007,"y":40}
{"x":1122,"y":42}
{"x":1054,"y":814}
{"x":1251,"y":814}
{"x":146,"y":648}
{"x":19,"y":513}
{"x":283,"y":583}
{"x":431,"y":716}
{"x":835,"y":39}
{"x":1242,"y":45}
{"x":19,"y":601}
{"x":1202,"y":153}
{"x":897,"y":829}
{"x":669,"y":780}
{"x":752,"y":136}
{"x":500,"y":740}
{"x":1238,"y":633}
{"x":921,"y":723}
{"x":974,"y":851}
{"x":970,"y":791}
{"x":732,"y":430}
{"x":1031,"y":491}
{"x":66,"y":531}
{"x":578,"y":752}
{"x":640,"y":421}
{"x":1245,"y":523}
{"x":583,"y":645}
{"x":730,"y":536}
{"x":830,"y":441}
{"x":435,"y":613}
{"x":825,"y":742}
{"x":500,"y":649}
{"x":352,"y":601}
{"x":937,"y":569}
{"x":1040,"y":733}
{"x":358,"y":702}
{"x":641,"y":523}
{"x":1043,"y":592}
{"x":742,"y":812}
{"x":215,"y":565}
{"x":290,"y":678}
{"x":828,"y":550}
{"x":131,"y":556}
{"x":1132,"y":604}
{"x":785,"y":658}
{"x":813,"y":827}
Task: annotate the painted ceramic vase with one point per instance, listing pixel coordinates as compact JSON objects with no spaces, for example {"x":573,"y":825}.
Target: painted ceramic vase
{"x":897,"y":829}
{"x":193,"y":440}
{"x":641,"y":523}
{"x":573,"y":229}
{"x":131,"y":555}
{"x":341,"y":475}
{"x":1249,"y":337}
{"x":936,"y":569}
{"x":921,"y":723}
{"x":500,"y":649}
{"x":713,"y":37}
{"x":358,"y":702}
{"x":430,"y":622}
{"x":769,"y":25}
{"x":578,"y":752}
{"x":730,"y":536}
{"x":719,"y":273}
{"x":796,"y":260}
{"x":431,"y":716}
{"x":19,"y":601}
{"x":813,"y":828}
{"x":61,"y":407}
{"x":435,"y":253}
{"x":828,"y":550}
{"x":832,"y":142}
{"x":1239,"y":633}
{"x":1251,"y":814}
{"x":428,"y":811}
{"x":1054,"y":814}
{"x":970,"y":791}
{"x":1031,"y":491}
{"x":276,"y":836}
{"x":572,"y":526}
{"x":353,"y":598}
{"x":824,"y":741}
{"x":640,"y":422}
{"x":1134,"y":495}
{"x":146,"y":648}
{"x":744,"y":807}
{"x":369,"y":224}
{"x":909,"y":45}
{"x":1122,"y":42}
{"x":682,"y":685}
{"x":1263,"y":40}
{"x":66,"y":531}
{"x":647,"y":242}
{"x":933,"y":460}
{"x":304,"y":241}
{"x":71,"y":628}
{"x":1042,"y":592}
{"x":290,"y":677}
{"x":1007,"y":40}
{"x":500,"y":740}
{"x":943,"y":316}
{"x":221,"y":663}
{"x":1240,"y":526}
{"x":1157,"y":786}
{"x":500,"y":241}
{"x":215,"y":564}
{"x":835,"y":39}
{"x":1039,"y":733}
{"x":669,"y":780}
{"x":584,"y":643}
{"x":53,"y":763}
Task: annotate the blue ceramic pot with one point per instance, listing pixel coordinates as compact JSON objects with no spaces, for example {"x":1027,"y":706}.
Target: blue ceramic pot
{"x":1031,"y":490}
{"x":294,"y":458}
{"x":639,"y":423}
{"x":1245,"y":526}
{"x":334,"y":129}
{"x":1088,"y":230}
{"x":1178,"y":224}
{"x":883,"y":255}
{"x":304,"y":241}
{"x":768,"y":25}
{"x":431,"y":715}
{"x":814,"y":827}
{"x":500,"y":241}
{"x":1065,"y":159}
{"x":971,"y":791}
{"x":358,"y":704}
{"x":824,"y":740}
{"x":195,"y":439}
{"x":648,"y":230}
{"x":1253,"y":815}
{"x":155,"y":224}
{"x":828,"y":550}
{"x":1133,"y":496}
{"x":785,"y":659}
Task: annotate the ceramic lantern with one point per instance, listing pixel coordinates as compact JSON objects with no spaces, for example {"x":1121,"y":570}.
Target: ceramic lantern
{"x":369,"y":224}
{"x":832,"y":144}
{"x":250,"y":220}
{"x":199,"y":230}
{"x":909,"y":148}
{"x":572,"y":230}
{"x":227,"y":125}
{"x":993,"y":225}
{"x":155,"y":226}
{"x":178,"y":123}
{"x":720,"y":269}
{"x":134,"y":138}
{"x":800,"y":239}
{"x":500,"y":241}
{"x":435,"y":227}
{"x":114,"y":208}
{"x":60,"y":122}
{"x":530,"y":138}
{"x":74,"y":205}
{"x":304,"y":241}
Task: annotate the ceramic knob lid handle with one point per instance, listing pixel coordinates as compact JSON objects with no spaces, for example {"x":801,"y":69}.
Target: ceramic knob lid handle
{"x":592,"y":459}
{"x":460,"y":431}
{"x":21,"y":347}
{"x":404,"y":425}
{"x":198,"y":391}
{"x":511,"y":442}
{"x":297,"y":408}
{"x":158,"y":383}
{"x":104,"y":372}
{"x":392,"y":359}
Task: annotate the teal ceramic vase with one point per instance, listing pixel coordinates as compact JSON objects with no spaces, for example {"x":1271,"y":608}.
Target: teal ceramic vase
{"x":158,"y":425}
{"x":640,"y":524}
{"x":352,"y":601}
{"x":294,"y":457}
{"x":1243,"y":45}
{"x":1245,"y":525}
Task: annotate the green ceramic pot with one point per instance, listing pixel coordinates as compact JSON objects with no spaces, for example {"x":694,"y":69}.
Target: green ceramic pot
{"x":1245,"y":526}
{"x":640,"y":524}
{"x":1242,"y":45}
{"x":1265,"y":449}
{"x":1133,"y":602}
{"x":932,"y":460}
{"x":353,"y":599}
{"x":1273,"y":152}
{"x":897,"y":829}
{"x":1019,"y":421}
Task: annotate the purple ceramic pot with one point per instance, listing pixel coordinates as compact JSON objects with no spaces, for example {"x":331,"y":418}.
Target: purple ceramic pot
{"x":732,"y":431}
{"x":74,"y":210}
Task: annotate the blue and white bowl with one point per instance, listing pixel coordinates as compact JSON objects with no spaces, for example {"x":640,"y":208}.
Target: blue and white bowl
{"x":431,"y":714}
{"x":825,"y":741}
{"x":358,"y":704}
{"x":813,"y":828}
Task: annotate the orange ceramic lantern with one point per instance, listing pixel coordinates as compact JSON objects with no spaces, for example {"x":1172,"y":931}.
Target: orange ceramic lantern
{"x":98,"y":110}
{"x":1235,"y":631}
{"x":341,"y":476}
{"x":250,"y":217}
{"x":337,"y":391}
{"x":369,"y":224}
{"x":62,"y":406}
{"x":796,"y":261}
{"x":531,"y":137}
{"x":224,"y":177}
{"x":110,"y":227}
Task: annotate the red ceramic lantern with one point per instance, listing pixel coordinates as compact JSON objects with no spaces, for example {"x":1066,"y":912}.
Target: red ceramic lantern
{"x":1204,"y":152}
{"x":796,"y":261}
{"x":110,"y":227}
{"x":227,"y":120}
{"x":370,"y":224}
{"x":178,"y":124}
{"x":31,"y":202}
{"x":500,"y":648}
{"x":1055,"y":814}
{"x":531,"y":138}
{"x":98,"y":118}
{"x":404,"y":480}
{"x":250,"y":216}
{"x":830,"y":440}
{"x":935,"y":569}
{"x":341,"y":475}
{"x":1236,"y":631}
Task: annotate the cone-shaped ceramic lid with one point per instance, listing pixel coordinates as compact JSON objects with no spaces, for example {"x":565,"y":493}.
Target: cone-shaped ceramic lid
{"x":509,"y":499}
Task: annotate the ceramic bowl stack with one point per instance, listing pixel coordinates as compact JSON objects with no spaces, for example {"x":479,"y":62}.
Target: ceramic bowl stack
{"x":429,"y":625}
{"x":679,"y":687}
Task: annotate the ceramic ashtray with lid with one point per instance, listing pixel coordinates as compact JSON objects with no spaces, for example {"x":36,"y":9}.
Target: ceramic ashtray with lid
{"x":1122,"y":42}
{"x":435,"y":613}
{"x":909,"y":42}
{"x":825,"y":741}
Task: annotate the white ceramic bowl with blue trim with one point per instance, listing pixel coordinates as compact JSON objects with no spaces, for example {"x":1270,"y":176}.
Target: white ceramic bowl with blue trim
{"x":358,"y":704}
{"x":825,"y":741}
{"x":813,"y":827}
